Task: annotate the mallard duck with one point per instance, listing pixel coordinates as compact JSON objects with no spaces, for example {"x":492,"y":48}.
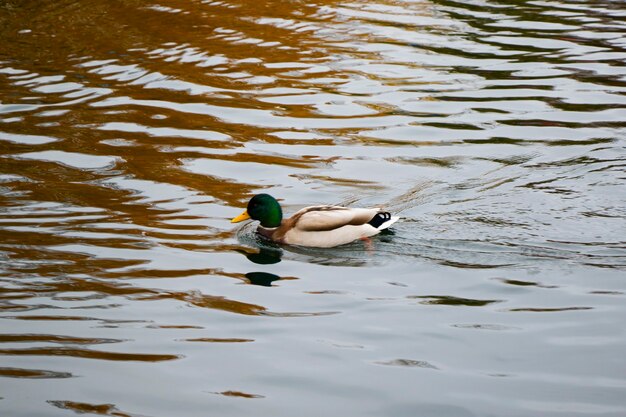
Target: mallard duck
{"x":316,"y":226}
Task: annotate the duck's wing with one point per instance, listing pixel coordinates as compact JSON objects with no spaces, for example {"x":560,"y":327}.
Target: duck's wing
{"x":324,"y":218}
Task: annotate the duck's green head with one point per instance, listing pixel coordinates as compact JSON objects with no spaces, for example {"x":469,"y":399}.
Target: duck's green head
{"x":262,"y":207}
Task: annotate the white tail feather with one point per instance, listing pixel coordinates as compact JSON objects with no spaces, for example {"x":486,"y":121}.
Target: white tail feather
{"x":388,"y":223}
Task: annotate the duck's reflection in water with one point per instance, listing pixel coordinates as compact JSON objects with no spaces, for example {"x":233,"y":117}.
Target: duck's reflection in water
{"x":263,"y":279}
{"x":264,"y":256}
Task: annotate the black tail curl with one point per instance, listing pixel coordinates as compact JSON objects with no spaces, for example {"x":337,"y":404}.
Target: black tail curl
{"x":379,"y":219}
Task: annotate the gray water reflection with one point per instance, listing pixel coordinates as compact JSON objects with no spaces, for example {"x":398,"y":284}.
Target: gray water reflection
{"x":130,"y":133}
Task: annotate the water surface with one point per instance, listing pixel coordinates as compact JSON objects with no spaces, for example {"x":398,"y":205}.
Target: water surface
{"x":131,"y":132}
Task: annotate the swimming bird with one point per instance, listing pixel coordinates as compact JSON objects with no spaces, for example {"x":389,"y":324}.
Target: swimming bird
{"x":315,"y":226}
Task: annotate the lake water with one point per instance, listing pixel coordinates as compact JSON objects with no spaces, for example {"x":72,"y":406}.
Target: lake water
{"x":131,"y":132}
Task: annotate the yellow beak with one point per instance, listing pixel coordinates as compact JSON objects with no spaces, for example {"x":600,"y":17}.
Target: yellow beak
{"x":243,"y":216}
